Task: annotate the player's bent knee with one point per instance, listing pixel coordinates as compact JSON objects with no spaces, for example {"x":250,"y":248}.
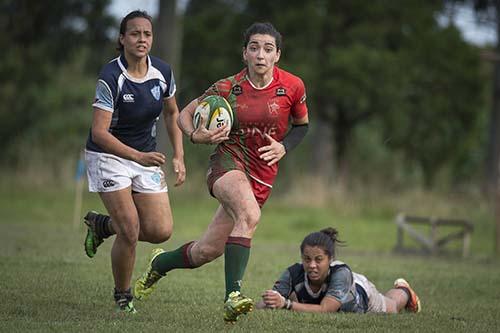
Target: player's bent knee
{"x":250,"y":218}
{"x":160,"y":237}
{"x":156,"y":235}
{"x":129,"y":237}
{"x":127,"y":229}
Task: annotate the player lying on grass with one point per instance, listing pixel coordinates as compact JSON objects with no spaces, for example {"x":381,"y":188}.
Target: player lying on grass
{"x":323,"y":284}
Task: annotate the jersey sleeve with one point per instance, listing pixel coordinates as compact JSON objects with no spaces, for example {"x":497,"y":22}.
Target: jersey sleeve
{"x":340,"y":286}
{"x":172,"y":87}
{"x":104,"y":98}
{"x":221,"y":88}
{"x":284,"y":284}
{"x":299,"y":107}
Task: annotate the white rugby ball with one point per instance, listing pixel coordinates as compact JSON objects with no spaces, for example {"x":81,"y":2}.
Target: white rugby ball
{"x":216,"y":110}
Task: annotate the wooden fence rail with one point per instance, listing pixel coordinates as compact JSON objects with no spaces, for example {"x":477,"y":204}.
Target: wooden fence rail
{"x":432,"y":244}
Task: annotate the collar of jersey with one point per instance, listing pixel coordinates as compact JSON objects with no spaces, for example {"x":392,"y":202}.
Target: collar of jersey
{"x":308,"y":287}
{"x":122,"y":62}
{"x":274,"y":78}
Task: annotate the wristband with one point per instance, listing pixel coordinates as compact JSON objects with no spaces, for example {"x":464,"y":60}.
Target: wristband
{"x":288,"y":304}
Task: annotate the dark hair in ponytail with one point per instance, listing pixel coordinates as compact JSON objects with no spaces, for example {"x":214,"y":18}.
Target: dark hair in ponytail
{"x":325,"y":239}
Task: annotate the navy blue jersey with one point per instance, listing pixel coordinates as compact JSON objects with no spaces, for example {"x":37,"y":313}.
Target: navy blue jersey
{"x":135,"y":103}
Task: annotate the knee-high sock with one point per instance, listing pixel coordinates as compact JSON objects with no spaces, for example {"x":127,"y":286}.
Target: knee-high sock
{"x":236,"y":256}
{"x":178,"y":258}
{"x":103,"y":226}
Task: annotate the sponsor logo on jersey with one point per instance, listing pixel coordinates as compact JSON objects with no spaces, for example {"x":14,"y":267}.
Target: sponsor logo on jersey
{"x":254,"y":130}
{"x":108,"y":183}
{"x":128,"y":98}
{"x":237,"y":90}
{"x":156,"y":92}
{"x":280,"y":91}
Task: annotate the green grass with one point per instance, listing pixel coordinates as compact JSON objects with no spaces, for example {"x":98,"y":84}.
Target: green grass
{"x":48,"y":284}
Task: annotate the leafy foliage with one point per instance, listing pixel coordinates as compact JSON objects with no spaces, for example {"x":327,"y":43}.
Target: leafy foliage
{"x":384,"y":67}
{"x":382,"y":62}
{"x":38,"y":89}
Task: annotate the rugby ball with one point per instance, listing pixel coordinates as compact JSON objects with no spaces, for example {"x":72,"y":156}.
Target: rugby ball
{"x":216,"y":110}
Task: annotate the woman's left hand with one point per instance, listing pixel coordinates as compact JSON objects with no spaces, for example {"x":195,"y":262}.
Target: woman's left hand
{"x":273,"y":299}
{"x":180,"y":170}
{"x":273,"y":152}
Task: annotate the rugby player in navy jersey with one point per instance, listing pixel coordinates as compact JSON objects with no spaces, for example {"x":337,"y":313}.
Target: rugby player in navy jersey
{"x":271,"y":118}
{"x":123,"y":165}
{"x":323,"y":284}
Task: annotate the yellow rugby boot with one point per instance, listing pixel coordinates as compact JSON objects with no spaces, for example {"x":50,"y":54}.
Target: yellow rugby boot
{"x":145,"y":285}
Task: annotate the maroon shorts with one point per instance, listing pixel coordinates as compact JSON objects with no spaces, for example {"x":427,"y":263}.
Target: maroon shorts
{"x":219,"y":165}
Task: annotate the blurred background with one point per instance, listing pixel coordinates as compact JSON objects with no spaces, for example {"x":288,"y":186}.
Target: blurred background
{"x":403,"y":96}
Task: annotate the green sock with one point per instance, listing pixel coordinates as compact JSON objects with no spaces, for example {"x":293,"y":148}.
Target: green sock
{"x":236,"y":257}
{"x":168,"y":261}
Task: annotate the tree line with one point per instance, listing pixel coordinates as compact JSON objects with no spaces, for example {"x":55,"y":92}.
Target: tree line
{"x":390,"y":90}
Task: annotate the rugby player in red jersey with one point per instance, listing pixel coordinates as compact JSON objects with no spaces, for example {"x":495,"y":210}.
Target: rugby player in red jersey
{"x":266,"y":100}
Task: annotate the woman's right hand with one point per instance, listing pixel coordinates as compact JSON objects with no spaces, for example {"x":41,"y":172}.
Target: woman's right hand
{"x":273,"y":299}
{"x":150,"y":159}
{"x":202,"y":135}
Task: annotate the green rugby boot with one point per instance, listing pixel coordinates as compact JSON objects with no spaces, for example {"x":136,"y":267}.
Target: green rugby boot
{"x":92,"y":240}
{"x":123,"y":301}
{"x":235,"y":306}
{"x":145,"y":285}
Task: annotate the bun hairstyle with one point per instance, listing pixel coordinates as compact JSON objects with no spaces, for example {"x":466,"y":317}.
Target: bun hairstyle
{"x":325,"y":239}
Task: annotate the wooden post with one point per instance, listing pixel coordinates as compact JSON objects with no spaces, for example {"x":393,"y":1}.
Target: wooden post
{"x":433,"y":222}
{"x":79,"y":179}
{"x":497,"y":219}
{"x":400,"y":233}
{"x":466,"y":248}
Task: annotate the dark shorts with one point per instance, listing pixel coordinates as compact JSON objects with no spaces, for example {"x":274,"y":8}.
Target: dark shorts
{"x":220,"y":164}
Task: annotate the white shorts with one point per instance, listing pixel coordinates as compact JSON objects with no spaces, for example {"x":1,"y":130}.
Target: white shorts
{"x":108,"y":173}
{"x":376,"y":301}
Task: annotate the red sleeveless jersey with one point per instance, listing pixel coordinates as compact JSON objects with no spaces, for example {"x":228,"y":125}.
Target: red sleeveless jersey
{"x":256,"y":112}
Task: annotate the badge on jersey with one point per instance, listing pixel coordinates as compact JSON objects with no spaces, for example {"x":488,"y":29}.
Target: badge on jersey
{"x":156,"y":92}
{"x":237,"y":90}
{"x":280,"y":91}
{"x":273,"y":108}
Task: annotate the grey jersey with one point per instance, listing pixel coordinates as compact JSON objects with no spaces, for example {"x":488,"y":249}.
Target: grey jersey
{"x":339,"y":284}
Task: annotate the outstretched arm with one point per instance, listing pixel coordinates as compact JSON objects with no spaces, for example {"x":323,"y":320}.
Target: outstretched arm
{"x":271,"y":299}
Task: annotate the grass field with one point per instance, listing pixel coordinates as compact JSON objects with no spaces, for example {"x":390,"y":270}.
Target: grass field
{"x":48,"y":284}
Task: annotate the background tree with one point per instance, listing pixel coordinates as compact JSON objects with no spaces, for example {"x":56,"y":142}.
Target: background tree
{"x":49,"y":49}
{"x":384,"y":62}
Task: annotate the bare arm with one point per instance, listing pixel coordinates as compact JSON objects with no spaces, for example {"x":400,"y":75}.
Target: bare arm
{"x":273,"y":300}
{"x":170,"y":116}
{"x":328,"y":304}
{"x":100,"y":135}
